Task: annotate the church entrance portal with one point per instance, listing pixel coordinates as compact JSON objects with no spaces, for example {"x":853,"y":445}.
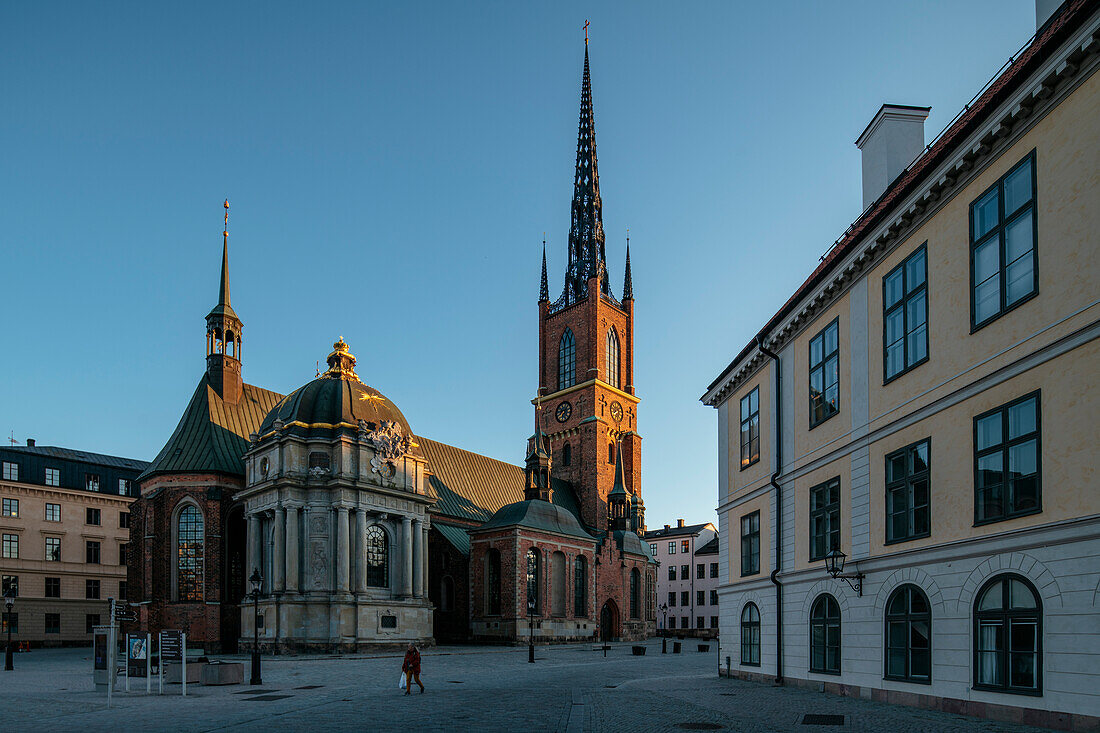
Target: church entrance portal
{"x":609,"y":621}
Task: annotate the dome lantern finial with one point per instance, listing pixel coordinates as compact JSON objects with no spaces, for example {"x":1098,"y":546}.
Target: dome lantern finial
{"x":341,"y":363}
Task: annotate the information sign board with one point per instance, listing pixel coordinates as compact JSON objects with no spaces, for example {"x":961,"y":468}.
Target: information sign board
{"x":137,"y":655}
{"x":171,"y":646}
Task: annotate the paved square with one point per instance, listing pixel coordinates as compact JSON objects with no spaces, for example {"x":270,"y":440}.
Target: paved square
{"x":569,"y":688}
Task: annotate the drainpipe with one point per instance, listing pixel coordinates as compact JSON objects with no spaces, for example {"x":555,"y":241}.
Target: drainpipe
{"x":760,"y":341}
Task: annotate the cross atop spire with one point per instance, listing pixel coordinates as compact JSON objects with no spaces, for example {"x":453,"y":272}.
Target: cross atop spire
{"x":586,"y":24}
{"x":586,"y":237}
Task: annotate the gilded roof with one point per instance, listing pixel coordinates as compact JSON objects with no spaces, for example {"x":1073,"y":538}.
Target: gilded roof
{"x":212,"y":435}
{"x":473,"y":487}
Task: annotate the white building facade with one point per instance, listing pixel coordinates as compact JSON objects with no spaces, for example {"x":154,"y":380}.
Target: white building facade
{"x":684,"y":592}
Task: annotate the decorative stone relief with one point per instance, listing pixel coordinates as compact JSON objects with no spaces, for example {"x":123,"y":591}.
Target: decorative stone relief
{"x":389,"y":440}
{"x":318,"y":564}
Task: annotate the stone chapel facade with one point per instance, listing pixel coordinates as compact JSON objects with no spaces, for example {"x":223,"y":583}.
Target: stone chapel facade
{"x":364,"y":533}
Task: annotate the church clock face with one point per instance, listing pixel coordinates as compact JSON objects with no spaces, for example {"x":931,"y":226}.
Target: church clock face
{"x":616,"y":412}
{"x":564,"y":411}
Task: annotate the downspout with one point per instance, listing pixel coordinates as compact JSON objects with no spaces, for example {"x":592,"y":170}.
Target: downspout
{"x":760,"y":341}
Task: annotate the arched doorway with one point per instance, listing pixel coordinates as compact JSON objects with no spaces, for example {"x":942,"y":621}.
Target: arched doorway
{"x":609,"y":621}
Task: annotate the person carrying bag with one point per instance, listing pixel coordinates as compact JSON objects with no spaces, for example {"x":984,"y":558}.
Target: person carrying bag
{"x":410,"y":669}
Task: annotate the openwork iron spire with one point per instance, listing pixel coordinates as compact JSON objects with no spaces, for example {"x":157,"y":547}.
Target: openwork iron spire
{"x":544,"y":288}
{"x":586,"y":237}
{"x":628,"y":283}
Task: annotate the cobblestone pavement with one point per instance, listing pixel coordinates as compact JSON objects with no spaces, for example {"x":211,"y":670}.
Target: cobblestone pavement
{"x":570,"y":689}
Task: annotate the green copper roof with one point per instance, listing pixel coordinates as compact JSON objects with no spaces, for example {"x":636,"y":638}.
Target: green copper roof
{"x":455,"y":535}
{"x":538,"y":515}
{"x":212,"y":436}
{"x":471,"y":486}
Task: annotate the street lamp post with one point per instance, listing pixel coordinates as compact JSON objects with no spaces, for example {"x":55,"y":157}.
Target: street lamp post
{"x":9,"y":604}
{"x":531,"y":630}
{"x":664,"y":636}
{"x":255,"y":580}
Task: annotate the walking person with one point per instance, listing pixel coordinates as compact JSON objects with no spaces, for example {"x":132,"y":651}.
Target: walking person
{"x":411,"y":668}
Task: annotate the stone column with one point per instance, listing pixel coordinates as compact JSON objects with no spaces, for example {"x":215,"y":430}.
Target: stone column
{"x":278,"y":557}
{"x":343,"y":552}
{"x":360,"y":550}
{"x":406,"y":556}
{"x":418,"y":558}
{"x":293,"y":546}
{"x":254,"y":547}
{"x":424,"y":558}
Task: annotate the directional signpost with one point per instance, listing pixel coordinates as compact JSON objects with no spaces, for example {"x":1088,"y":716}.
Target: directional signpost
{"x":173,"y":648}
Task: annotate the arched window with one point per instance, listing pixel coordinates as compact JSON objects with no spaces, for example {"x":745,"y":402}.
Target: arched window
{"x":557,"y":584}
{"x":378,"y":556}
{"x":635,"y":593}
{"x":613,"y":358}
{"x":610,"y":452}
{"x":446,"y":594}
{"x":492,"y":572}
{"x":908,"y":635}
{"x":566,"y":455}
{"x":1008,"y":633}
{"x":533,"y":581}
{"x":580,"y":586}
{"x":190,"y":540}
{"x":825,"y":635}
{"x":750,"y":635}
{"x":567,"y":360}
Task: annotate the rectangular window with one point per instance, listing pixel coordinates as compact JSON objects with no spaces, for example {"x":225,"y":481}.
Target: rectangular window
{"x":53,"y":587}
{"x":653,"y":548}
{"x":1007,"y":461}
{"x":685,"y":598}
{"x":91,"y":620}
{"x":684,"y":573}
{"x":672,"y":572}
{"x":714,"y":622}
{"x":91,"y":589}
{"x":824,"y":519}
{"x":750,"y":544}
{"x":124,"y":487}
{"x":122,"y":590}
{"x":53,"y":512}
{"x":905,"y":315}
{"x":53,"y":477}
{"x":671,"y":598}
{"x":124,"y":520}
{"x":53,"y":623}
{"x":685,"y":622}
{"x":11,"y":471}
{"x":672,"y":622}
{"x":700,"y":622}
{"x":91,"y":516}
{"x":10,"y":508}
{"x":700,"y":571}
{"x":9,"y":583}
{"x":122,"y":549}
{"x":750,"y":428}
{"x":91,"y":481}
{"x":685,"y":545}
{"x":714,"y":570}
{"x":11,"y":546}
{"x":672,"y":548}
{"x":9,"y":620}
{"x":53,"y":549}
{"x":907,"y":492}
{"x":714,"y":598}
{"x":825,"y":374}
{"x":1003,"y":258}
{"x":700,"y":598}
{"x":91,"y":552}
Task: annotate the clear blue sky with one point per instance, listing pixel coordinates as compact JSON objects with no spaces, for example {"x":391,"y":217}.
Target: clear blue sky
{"x":391,"y":168}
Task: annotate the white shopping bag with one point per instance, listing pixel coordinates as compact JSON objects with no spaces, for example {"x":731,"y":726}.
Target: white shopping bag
{"x":401,"y":682}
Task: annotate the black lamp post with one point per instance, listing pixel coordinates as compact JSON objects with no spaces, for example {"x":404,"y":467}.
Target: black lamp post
{"x":255,"y":580}
{"x":531,"y":630}
{"x":664,"y":635}
{"x":834,"y":566}
{"x":9,"y":603}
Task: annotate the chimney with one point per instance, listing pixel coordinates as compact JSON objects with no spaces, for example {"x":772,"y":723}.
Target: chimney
{"x":30,"y":442}
{"x":667,"y":528}
{"x":891,"y":142}
{"x":1044,"y":11}
{"x":679,"y":523}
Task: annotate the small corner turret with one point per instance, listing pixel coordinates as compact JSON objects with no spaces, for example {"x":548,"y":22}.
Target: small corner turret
{"x":223,"y":335}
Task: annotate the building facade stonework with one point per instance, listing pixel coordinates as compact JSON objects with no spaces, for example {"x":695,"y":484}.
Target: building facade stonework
{"x":922,"y":410}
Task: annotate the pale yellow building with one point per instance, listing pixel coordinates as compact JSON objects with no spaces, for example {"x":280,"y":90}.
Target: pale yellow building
{"x":924,"y":404}
{"x":64,"y":529}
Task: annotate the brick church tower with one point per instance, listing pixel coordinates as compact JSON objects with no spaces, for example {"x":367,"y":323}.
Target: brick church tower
{"x":586,"y":354}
